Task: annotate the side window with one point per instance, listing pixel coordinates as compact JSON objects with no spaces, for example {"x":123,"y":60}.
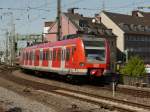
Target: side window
{"x":67,"y":54}
{"x":47,"y":55}
{"x":26,"y":55}
{"x":62,"y":54}
{"x":41,"y":55}
{"x":59,"y":54}
{"x":73,"y":50}
{"x":54,"y":54}
{"x":23,"y":56}
{"x":30,"y":55}
{"x":50,"y":55}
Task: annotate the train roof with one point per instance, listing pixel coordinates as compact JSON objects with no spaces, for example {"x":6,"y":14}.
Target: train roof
{"x":71,"y":39}
{"x":50,"y":44}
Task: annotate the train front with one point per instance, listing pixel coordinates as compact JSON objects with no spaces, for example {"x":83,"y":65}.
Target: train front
{"x":97,"y":55}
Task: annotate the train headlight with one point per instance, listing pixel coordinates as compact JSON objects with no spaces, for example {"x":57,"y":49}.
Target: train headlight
{"x":82,"y":64}
{"x":92,"y":72}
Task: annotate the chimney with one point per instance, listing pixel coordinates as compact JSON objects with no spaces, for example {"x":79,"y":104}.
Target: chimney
{"x":98,"y":18}
{"x":135,"y":13}
{"x":71,"y":10}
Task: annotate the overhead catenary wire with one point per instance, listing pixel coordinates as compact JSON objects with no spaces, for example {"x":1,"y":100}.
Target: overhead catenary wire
{"x":53,"y":9}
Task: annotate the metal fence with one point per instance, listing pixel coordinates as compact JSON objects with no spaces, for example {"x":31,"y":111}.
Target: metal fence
{"x":143,"y":81}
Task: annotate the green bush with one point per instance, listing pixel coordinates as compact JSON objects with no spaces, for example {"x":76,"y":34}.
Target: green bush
{"x":135,"y":67}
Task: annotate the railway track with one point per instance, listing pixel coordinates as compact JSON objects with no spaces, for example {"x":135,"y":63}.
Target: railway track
{"x":103,"y":101}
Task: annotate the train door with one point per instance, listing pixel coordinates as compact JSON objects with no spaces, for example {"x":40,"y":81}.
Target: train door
{"x":56,"y":58}
{"x":50,"y":58}
{"x":63,"y":54}
{"x":68,"y":58}
{"x":36,"y":62}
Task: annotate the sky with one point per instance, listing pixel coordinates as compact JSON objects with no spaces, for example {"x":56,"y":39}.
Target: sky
{"x":29,"y":15}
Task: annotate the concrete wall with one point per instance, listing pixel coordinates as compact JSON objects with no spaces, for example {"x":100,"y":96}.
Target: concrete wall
{"x":115,"y":29}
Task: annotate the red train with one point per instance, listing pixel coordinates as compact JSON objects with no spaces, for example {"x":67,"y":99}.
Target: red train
{"x":75,"y":55}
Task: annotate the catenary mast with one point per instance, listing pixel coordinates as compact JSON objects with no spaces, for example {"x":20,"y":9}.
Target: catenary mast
{"x":58,"y":20}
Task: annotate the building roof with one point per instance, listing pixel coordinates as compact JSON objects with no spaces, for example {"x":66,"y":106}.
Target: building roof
{"x":78,"y":19}
{"x":129,"y":23}
{"x":145,"y":14}
{"x":49,"y":23}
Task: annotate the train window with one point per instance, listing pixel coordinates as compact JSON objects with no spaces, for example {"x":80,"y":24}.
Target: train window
{"x":47,"y":55}
{"x":23,"y":56}
{"x":94,"y":43}
{"x":62,"y":54}
{"x":50,"y":55}
{"x":73,"y":50}
{"x":67,"y":54}
{"x":26,"y":55}
{"x":95,"y":54}
{"x":44,"y":57}
{"x":54,"y":54}
{"x":41,"y":55}
{"x":59,"y":54}
{"x":31,"y":55}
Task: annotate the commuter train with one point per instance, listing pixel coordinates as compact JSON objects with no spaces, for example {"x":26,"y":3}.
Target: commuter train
{"x":74,"y":55}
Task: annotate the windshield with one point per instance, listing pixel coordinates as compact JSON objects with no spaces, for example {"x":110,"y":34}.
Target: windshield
{"x":95,"y":55}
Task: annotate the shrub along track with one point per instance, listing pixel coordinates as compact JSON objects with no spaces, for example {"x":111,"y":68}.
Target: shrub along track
{"x":103,"y":101}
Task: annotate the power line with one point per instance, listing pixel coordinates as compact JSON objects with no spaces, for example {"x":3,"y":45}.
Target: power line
{"x":23,"y":9}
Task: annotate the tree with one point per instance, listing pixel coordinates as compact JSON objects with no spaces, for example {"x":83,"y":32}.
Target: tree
{"x":135,"y":67}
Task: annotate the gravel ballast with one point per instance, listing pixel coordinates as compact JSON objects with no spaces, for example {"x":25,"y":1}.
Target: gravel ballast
{"x":12,"y":100}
